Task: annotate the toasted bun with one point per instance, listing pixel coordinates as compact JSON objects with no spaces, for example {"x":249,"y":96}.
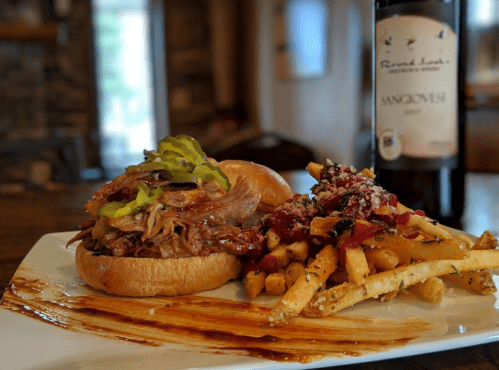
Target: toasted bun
{"x":274,"y":189}
{"x":146,"y":277}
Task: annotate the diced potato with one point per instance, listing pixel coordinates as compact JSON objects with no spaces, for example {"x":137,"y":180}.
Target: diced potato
{"x":273,"y":239}
{"x":282,"y":256}
{"x":298,"y":251}
{"x":368,"y":173}
{"x":486,"y":241}
{"x":275,"y":283}
{"x":254,"y":282}
{"x":314,"y":169}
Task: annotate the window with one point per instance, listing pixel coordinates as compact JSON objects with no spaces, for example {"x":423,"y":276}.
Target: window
{"x":307,"y":29}
{"x":124,"y":72}
{"x":483,"y":13}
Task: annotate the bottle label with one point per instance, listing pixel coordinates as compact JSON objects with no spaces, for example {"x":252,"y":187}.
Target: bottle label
{"x":416,"y":88}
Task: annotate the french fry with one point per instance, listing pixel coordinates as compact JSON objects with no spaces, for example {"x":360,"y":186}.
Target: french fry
{"x":345,"y":295}
{"x":383,"y":258}
{"x":321,"y":226}
{"x":485,"y":241}
{"x":383,"y":210}
{"x":479,"y":282}
{"x":431,"y":290}
{"x":273,"y":240}
{"x":275,"y":283}
{"x":314,"y":169}
{"x":425,"y":225}
{"x":298,"y":251}
{"x":254,"y":282}
{"x":282,"y":256}
{"x":293,"y":271}
{"x":356,"y":265}
{"x":368,"y":173}
{"x":402,"y":251}
{"x":401,"y":208}
{"x":305,"y":287}
{"x":285,"y":253}
{"x":413,"y":250}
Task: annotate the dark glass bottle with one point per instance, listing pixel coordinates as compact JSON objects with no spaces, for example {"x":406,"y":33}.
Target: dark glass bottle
{"x":419,"y":112}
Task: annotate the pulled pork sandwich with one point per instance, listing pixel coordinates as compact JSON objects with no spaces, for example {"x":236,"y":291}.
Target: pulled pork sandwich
{"x":173,"y":224}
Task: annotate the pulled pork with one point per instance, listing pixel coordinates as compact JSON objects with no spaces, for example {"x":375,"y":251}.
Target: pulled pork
{"x":186,"y":220}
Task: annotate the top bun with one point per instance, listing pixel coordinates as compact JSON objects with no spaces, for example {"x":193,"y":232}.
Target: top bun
{"x":273,"y":188}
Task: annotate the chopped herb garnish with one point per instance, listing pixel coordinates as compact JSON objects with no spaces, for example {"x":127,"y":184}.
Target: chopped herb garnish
{"x":401,"y":284}
{"x":427,"y":241}
{"x":457,"y":271}
{"x":349,"y":191}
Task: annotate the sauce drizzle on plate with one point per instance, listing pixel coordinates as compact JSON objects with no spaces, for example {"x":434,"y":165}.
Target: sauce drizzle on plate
{"x":206,"y":324}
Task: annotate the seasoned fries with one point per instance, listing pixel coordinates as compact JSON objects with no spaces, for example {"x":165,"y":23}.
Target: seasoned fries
{"x":361,"y":243}
{"x":479,"y":282}
{"x":431,"y":289}
{"x":426,"y":250}
{"x":254,"y":282}
{"x":337,"y":298}
{"x":305,"y":286}
{"x":293,"y":272}
{"x":486,"y":241}
{"x":275,"y":283}
{"x":356,"y":265}
{"x":383,"y":258}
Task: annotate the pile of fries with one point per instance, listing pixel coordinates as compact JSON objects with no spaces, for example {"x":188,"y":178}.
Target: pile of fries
{"x":414,"y":257}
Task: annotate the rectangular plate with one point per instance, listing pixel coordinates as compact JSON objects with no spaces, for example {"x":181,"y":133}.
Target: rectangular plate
{"x":462,"y":319}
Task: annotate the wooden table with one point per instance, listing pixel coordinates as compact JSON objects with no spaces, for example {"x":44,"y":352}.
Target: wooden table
{"x":25,"y":218}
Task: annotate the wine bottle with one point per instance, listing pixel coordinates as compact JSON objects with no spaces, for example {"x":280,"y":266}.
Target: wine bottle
{"x":419,"y":116}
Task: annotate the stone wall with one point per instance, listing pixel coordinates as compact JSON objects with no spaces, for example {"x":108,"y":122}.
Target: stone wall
{"x":47,"y":88}
{"x":189,"y":66}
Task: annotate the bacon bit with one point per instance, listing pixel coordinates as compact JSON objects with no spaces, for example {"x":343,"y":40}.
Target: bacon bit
{"x":413,"y":235}
{"x":360,"y":233}
{"x":403,"y":219}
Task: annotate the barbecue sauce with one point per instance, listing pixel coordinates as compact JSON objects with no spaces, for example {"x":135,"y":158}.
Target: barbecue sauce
{"x":208,"y":324}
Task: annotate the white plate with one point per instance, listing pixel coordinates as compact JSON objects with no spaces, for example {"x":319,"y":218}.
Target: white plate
{"x":462,"y":319}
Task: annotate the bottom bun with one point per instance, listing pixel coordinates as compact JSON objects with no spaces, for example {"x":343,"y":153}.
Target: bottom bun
{"x":147,"y":277}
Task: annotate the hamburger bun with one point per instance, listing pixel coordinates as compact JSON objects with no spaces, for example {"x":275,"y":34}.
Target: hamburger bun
{"x":272,"y":186}
{"x":146,"y":277}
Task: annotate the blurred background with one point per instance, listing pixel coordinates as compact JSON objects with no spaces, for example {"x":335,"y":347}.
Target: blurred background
{"x":87,"y":85}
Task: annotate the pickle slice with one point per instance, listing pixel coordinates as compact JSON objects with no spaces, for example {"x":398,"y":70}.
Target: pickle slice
{"x":185,"y":146}
{"x":184,"y":160}
{"x":145,"y":196}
